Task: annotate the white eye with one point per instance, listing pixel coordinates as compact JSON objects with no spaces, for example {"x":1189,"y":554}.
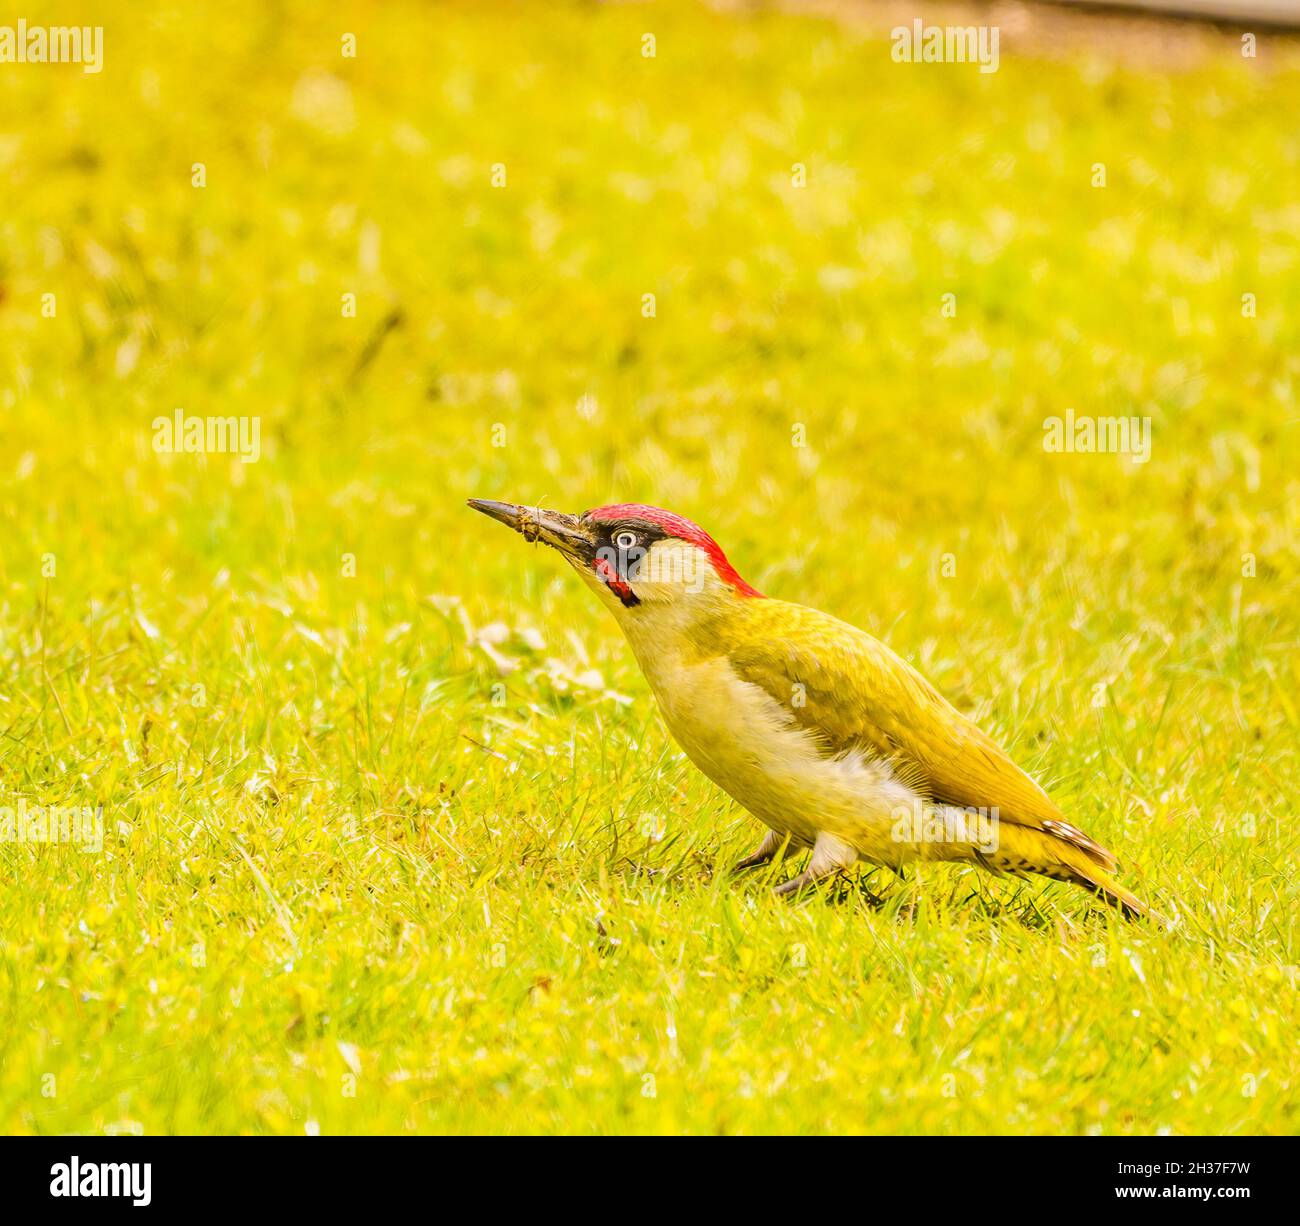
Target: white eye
{"x":625,"y":540}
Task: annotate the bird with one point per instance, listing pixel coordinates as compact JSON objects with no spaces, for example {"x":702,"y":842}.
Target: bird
{"x":838,"y":745}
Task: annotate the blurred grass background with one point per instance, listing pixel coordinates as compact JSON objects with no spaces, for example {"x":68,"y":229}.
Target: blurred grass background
{"x":348,"y":885}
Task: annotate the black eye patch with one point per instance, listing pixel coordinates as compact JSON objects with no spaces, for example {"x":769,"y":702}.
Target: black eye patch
{"x":646,"y":534}
{"x":618,"y":560}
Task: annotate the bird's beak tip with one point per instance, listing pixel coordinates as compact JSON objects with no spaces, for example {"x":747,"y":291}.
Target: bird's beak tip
{"x":554,"y":528}
{"x":503,"y":512}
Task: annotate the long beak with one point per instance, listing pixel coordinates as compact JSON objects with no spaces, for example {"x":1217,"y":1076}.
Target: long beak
{"x":563,"y":532}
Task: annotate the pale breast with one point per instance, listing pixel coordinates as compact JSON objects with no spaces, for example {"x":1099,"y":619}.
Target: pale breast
{"x":744,"y":741}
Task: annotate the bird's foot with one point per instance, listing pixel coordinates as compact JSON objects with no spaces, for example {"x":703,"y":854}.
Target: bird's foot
{"x":830,"y":856}
{"x":795,"y":885}
{"x":767,"y":849}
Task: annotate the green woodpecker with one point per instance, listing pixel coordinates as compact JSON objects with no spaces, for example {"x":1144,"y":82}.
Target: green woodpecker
{"x":815,"y":727}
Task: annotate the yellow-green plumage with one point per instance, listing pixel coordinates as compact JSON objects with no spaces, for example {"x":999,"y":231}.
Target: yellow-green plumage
{"x":851,"y":692}
{"x":818,"y":729}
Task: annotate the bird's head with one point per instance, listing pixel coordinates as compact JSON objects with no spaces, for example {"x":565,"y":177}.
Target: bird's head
{"x":640,"y":560}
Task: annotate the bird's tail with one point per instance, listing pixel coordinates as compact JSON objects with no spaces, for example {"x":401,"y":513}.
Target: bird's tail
{"x":1065,"y":854}
{"x":1100,"y":882}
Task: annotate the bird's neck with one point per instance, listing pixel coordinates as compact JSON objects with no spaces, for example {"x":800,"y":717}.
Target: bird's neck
{"x":665,"y":637}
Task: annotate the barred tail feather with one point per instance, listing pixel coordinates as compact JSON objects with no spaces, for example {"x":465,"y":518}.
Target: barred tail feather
{"x":1025,"y":850}
{"x":1130,"y":905}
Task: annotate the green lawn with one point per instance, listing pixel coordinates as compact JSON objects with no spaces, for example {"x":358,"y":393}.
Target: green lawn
{"x":393,"y":836}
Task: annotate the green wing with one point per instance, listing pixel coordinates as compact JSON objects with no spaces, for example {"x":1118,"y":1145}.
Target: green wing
{"x":852,"y":692}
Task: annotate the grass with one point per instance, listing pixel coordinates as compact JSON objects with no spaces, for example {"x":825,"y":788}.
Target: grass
{"x":394,"y":838}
